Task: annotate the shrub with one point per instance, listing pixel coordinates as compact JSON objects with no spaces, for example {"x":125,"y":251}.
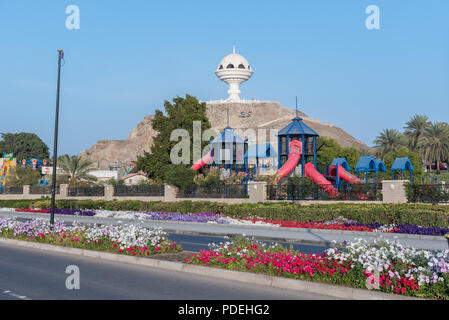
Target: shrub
{"x":179,"y":176}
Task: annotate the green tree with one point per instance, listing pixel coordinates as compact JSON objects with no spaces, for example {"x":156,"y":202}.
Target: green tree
{"x":403,"y":152}
{"x":180,"y":176}
{"x":389,"y":140}
{"x":414,"y":131}
{"x":23,"y":176}
{"x":327,"y":150}
{"x":352,"y":155}
{"x":435,"y":144}
{"x":23,"y":146}
{"x":76,"y":167}
{"x":179,"y":115}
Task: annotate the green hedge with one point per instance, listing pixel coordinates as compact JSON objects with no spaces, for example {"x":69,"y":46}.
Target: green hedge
{"x":420,"y":214}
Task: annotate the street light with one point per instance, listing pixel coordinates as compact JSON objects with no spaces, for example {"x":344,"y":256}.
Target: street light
{"x":55,"y":145}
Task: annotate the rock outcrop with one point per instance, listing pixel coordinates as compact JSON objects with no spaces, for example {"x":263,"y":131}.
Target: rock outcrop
{"x":243,"y":115}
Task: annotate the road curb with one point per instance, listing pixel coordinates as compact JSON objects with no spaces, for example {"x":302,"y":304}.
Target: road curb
{"x":244,"y":277}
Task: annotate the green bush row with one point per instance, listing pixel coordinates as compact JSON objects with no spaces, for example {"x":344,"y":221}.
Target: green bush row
{"x":420,"y":214}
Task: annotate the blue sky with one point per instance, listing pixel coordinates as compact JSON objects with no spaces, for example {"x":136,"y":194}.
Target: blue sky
{"x":128,"y":57}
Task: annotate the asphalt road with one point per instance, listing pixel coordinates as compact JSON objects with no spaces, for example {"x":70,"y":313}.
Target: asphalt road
{"x":29,"y":274}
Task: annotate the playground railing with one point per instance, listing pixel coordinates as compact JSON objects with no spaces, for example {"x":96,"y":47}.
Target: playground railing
{"x":139,"y":191}
{"x":214,"y":191}
{"x":42,"y":189}
{"x":85,"y":191}
{"x":12,"y":190}
{"x":345,"y":192}
{"x":427,"y":193}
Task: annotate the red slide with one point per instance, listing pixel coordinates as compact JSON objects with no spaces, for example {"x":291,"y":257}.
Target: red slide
{"x":343,"y":174}
{"x":295,"y":148}
{"x":318,"y":178}
{"x":202,"y":162}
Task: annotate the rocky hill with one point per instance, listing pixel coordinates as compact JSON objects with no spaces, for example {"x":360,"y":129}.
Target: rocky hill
{"x":242,"y":115}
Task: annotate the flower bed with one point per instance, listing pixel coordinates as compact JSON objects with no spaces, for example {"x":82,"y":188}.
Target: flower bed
{"x":339,"y":223}
{"x":127,"y":239}
{"x":386,"y":266}
{"x":418,"y":214}
{"x":347,"y":225}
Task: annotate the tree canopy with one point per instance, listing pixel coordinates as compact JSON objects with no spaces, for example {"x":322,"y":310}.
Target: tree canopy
{"x":429,"y":141}
{"x":389,"y":140}
{"x":179,"y":115}
{"x":23,"y":146}
{"x":76,"y":167}
{"x":330,"y":149}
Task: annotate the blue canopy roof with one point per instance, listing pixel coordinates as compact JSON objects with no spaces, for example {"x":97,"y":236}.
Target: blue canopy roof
{"x":402,"y":164}
{"x":297,"y":127}
{"x":342,"y":162}
{"x":366,"y":163}
{"x":380,"y":165}
{"x":227,"y":136}
{"x":260,"y":151}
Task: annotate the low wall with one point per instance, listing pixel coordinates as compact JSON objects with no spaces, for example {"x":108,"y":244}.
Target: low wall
{"x":392,"y":192}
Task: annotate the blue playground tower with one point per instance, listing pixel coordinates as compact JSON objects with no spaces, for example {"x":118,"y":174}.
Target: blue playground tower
{"x":297,"y":130}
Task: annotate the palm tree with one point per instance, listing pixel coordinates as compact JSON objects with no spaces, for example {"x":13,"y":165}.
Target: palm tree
{"x":389,"y":140}
{"x":76,"y":167}
{"x":414,"y":130}
{"x":436,"y":143}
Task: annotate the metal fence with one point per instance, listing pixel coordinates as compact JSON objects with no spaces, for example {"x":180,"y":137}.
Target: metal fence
{"x":428,"y":193}
{"x":42,"y":189}
{"x":139,"y":191}
{"x":354,"y":192}
{"x":12,"y":190}
{"x":85,"y":191}
{"x":215,"y":191}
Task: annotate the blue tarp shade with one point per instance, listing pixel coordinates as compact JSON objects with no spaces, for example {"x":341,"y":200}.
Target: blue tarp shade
{"x":297,"y":127}
{"x":342,"y":162}
{"x":260,"y":151}
{"x":402,"y":164}
{"x":381,"y":166}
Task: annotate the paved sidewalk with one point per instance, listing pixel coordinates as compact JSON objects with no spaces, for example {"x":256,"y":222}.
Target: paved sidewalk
{"x":295,"y":235}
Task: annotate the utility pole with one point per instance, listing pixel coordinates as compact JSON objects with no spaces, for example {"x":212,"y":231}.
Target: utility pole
{"x":55,"y":145}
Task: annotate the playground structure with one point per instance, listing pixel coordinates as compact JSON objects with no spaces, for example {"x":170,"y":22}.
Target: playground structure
{"x":296,"y":149}
{"x":261,"y":158}
{"x":7,"y":166}
{"x":227,"y":151}
{"x":369,"y":164}
{"x":296,"y":156}
{"x":340,"y":169}
{"x":402,"y":164}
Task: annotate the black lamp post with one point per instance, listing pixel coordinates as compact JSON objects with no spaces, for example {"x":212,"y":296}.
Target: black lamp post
{"x":55,"y":145}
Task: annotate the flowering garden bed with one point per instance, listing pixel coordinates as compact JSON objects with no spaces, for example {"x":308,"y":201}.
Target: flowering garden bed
{"x":339,"y":223}
{"x":128,"y":239}
{"x":385,"y":266}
